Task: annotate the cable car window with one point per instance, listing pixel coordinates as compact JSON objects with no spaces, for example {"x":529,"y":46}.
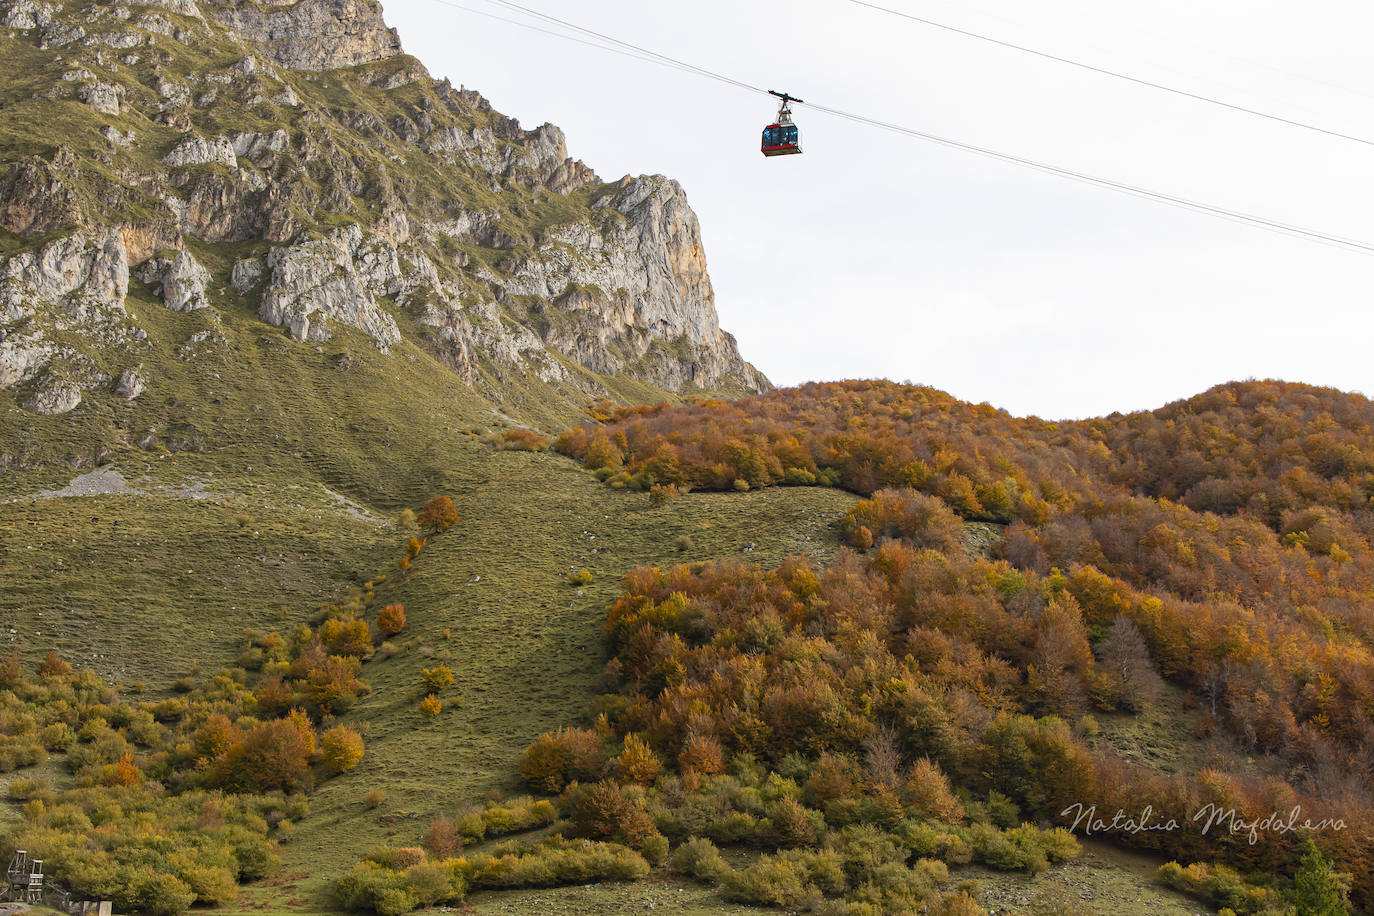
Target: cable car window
{"x":770,"y":136}
{"x":791,"y":135}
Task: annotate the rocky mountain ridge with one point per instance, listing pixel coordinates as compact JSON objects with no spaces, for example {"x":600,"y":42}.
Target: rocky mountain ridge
{"x":290,"y":159}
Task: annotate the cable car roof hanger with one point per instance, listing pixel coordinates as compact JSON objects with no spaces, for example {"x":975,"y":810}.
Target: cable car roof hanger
{"x":781,"y":138}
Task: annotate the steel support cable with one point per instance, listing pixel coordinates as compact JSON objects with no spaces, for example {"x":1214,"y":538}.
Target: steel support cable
{"x":1196,"y":96}
{"x":641,"y":53}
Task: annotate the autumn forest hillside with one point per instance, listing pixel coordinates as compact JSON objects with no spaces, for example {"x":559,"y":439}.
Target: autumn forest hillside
{"x":337,"y":576}
{"x":1221,"y":543}
{"x":847,"y":648}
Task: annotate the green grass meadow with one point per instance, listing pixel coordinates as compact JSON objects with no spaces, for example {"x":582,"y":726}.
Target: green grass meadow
{"x":151,"y":586}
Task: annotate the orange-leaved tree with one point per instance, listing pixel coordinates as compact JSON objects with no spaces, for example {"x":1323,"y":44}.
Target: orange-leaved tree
{"x":391,"y":620}
{"x":439,"y":514}
{"x":340,"y":749}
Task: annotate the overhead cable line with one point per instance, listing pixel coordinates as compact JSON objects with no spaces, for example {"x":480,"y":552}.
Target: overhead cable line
{"x":555,"y":34}
{"x":608,"y":43}
{"x":625,"y":44}
{"x":1235,"y":216}
{"x":1113,"y":73}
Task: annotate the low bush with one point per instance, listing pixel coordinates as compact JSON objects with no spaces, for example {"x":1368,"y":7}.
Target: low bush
{"x":556,"y":862}
{"x":441,"y":840}
{"x":772,"y":881}
{"x":392,"y":619}
{"x":436,"y":679}
{"x":700,"y":859}
{"x":1221,"y":887}
{"x":554,"y":760}
{"x":341,"y":748}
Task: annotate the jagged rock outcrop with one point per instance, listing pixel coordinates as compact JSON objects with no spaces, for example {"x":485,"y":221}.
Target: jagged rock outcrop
{"x":74,"y":284}
{"x":253,"y":146}
{"x":57,"y":396}
{"x":640,"y":286}
{"x":181,"y":281}
{"x":36,"y":198}
{"x":333,"y":280}
{"x":197,"y":150}
{"x":26,"y":15}
{"x":104,"y":97}
{"x":129,"y":385}
{"x":346,"y":211}
{"x":183,"y":7}
{"x":245,"y":274}
{"x":314,"y":34}
{"x":80,"y":270}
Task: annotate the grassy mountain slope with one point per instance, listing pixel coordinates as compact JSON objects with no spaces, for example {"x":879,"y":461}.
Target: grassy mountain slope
{"x":524,"y":644}
{"x":263,"y":475}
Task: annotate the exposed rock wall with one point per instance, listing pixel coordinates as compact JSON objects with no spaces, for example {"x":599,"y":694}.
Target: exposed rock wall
{"x":334,"y":280}
{"x":639,"y":286}
{"x":313,"y":34}
{"x":74,"y":284}
{"x":511,"y":255}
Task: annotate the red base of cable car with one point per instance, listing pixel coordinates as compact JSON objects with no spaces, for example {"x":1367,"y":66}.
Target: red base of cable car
{"x":782,"y":138}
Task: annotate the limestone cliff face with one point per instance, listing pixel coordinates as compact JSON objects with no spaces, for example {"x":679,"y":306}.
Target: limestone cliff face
{"x":352,"y":208}
{"x":77,"y":283}
{"x":312,"y":34}
{"x":624,"y":293}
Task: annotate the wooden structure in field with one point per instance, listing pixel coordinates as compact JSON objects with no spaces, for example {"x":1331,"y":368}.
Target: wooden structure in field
{"x":26,"y":883}
{"x":24,"y":879}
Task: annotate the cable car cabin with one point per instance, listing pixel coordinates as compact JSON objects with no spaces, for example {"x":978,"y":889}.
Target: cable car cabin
{"x":781,"y":140}
{"x":781,"y":137}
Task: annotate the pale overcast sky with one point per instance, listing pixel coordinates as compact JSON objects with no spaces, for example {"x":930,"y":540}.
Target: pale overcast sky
{"x":876,"y":255}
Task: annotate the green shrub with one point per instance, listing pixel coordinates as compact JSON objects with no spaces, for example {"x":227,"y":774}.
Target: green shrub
{"x":1220,"y":886}
{"x":1026,"y":847}
{"x":501,"y":818}
{"x":794,"y":825}
{"x":154,"y":893}
{"x":1002,"y":811}
{"x":735,"y":827}
{"x":698,"y":858}
{"x":927,"y":840}
{"x":429,"y":882}
{"x":864,"y":849}
{"x":211,"y":885}
{"x":340,"y":749}
{"x":771,"y":881}
{"x":555,"y":862}
{"x":654,"y":848}
{"x":57,"y":737}
{"x":147,"y":851}
{"x":472,"y":827}
{"x":364,"y":887}
{"x":434,"y":680}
